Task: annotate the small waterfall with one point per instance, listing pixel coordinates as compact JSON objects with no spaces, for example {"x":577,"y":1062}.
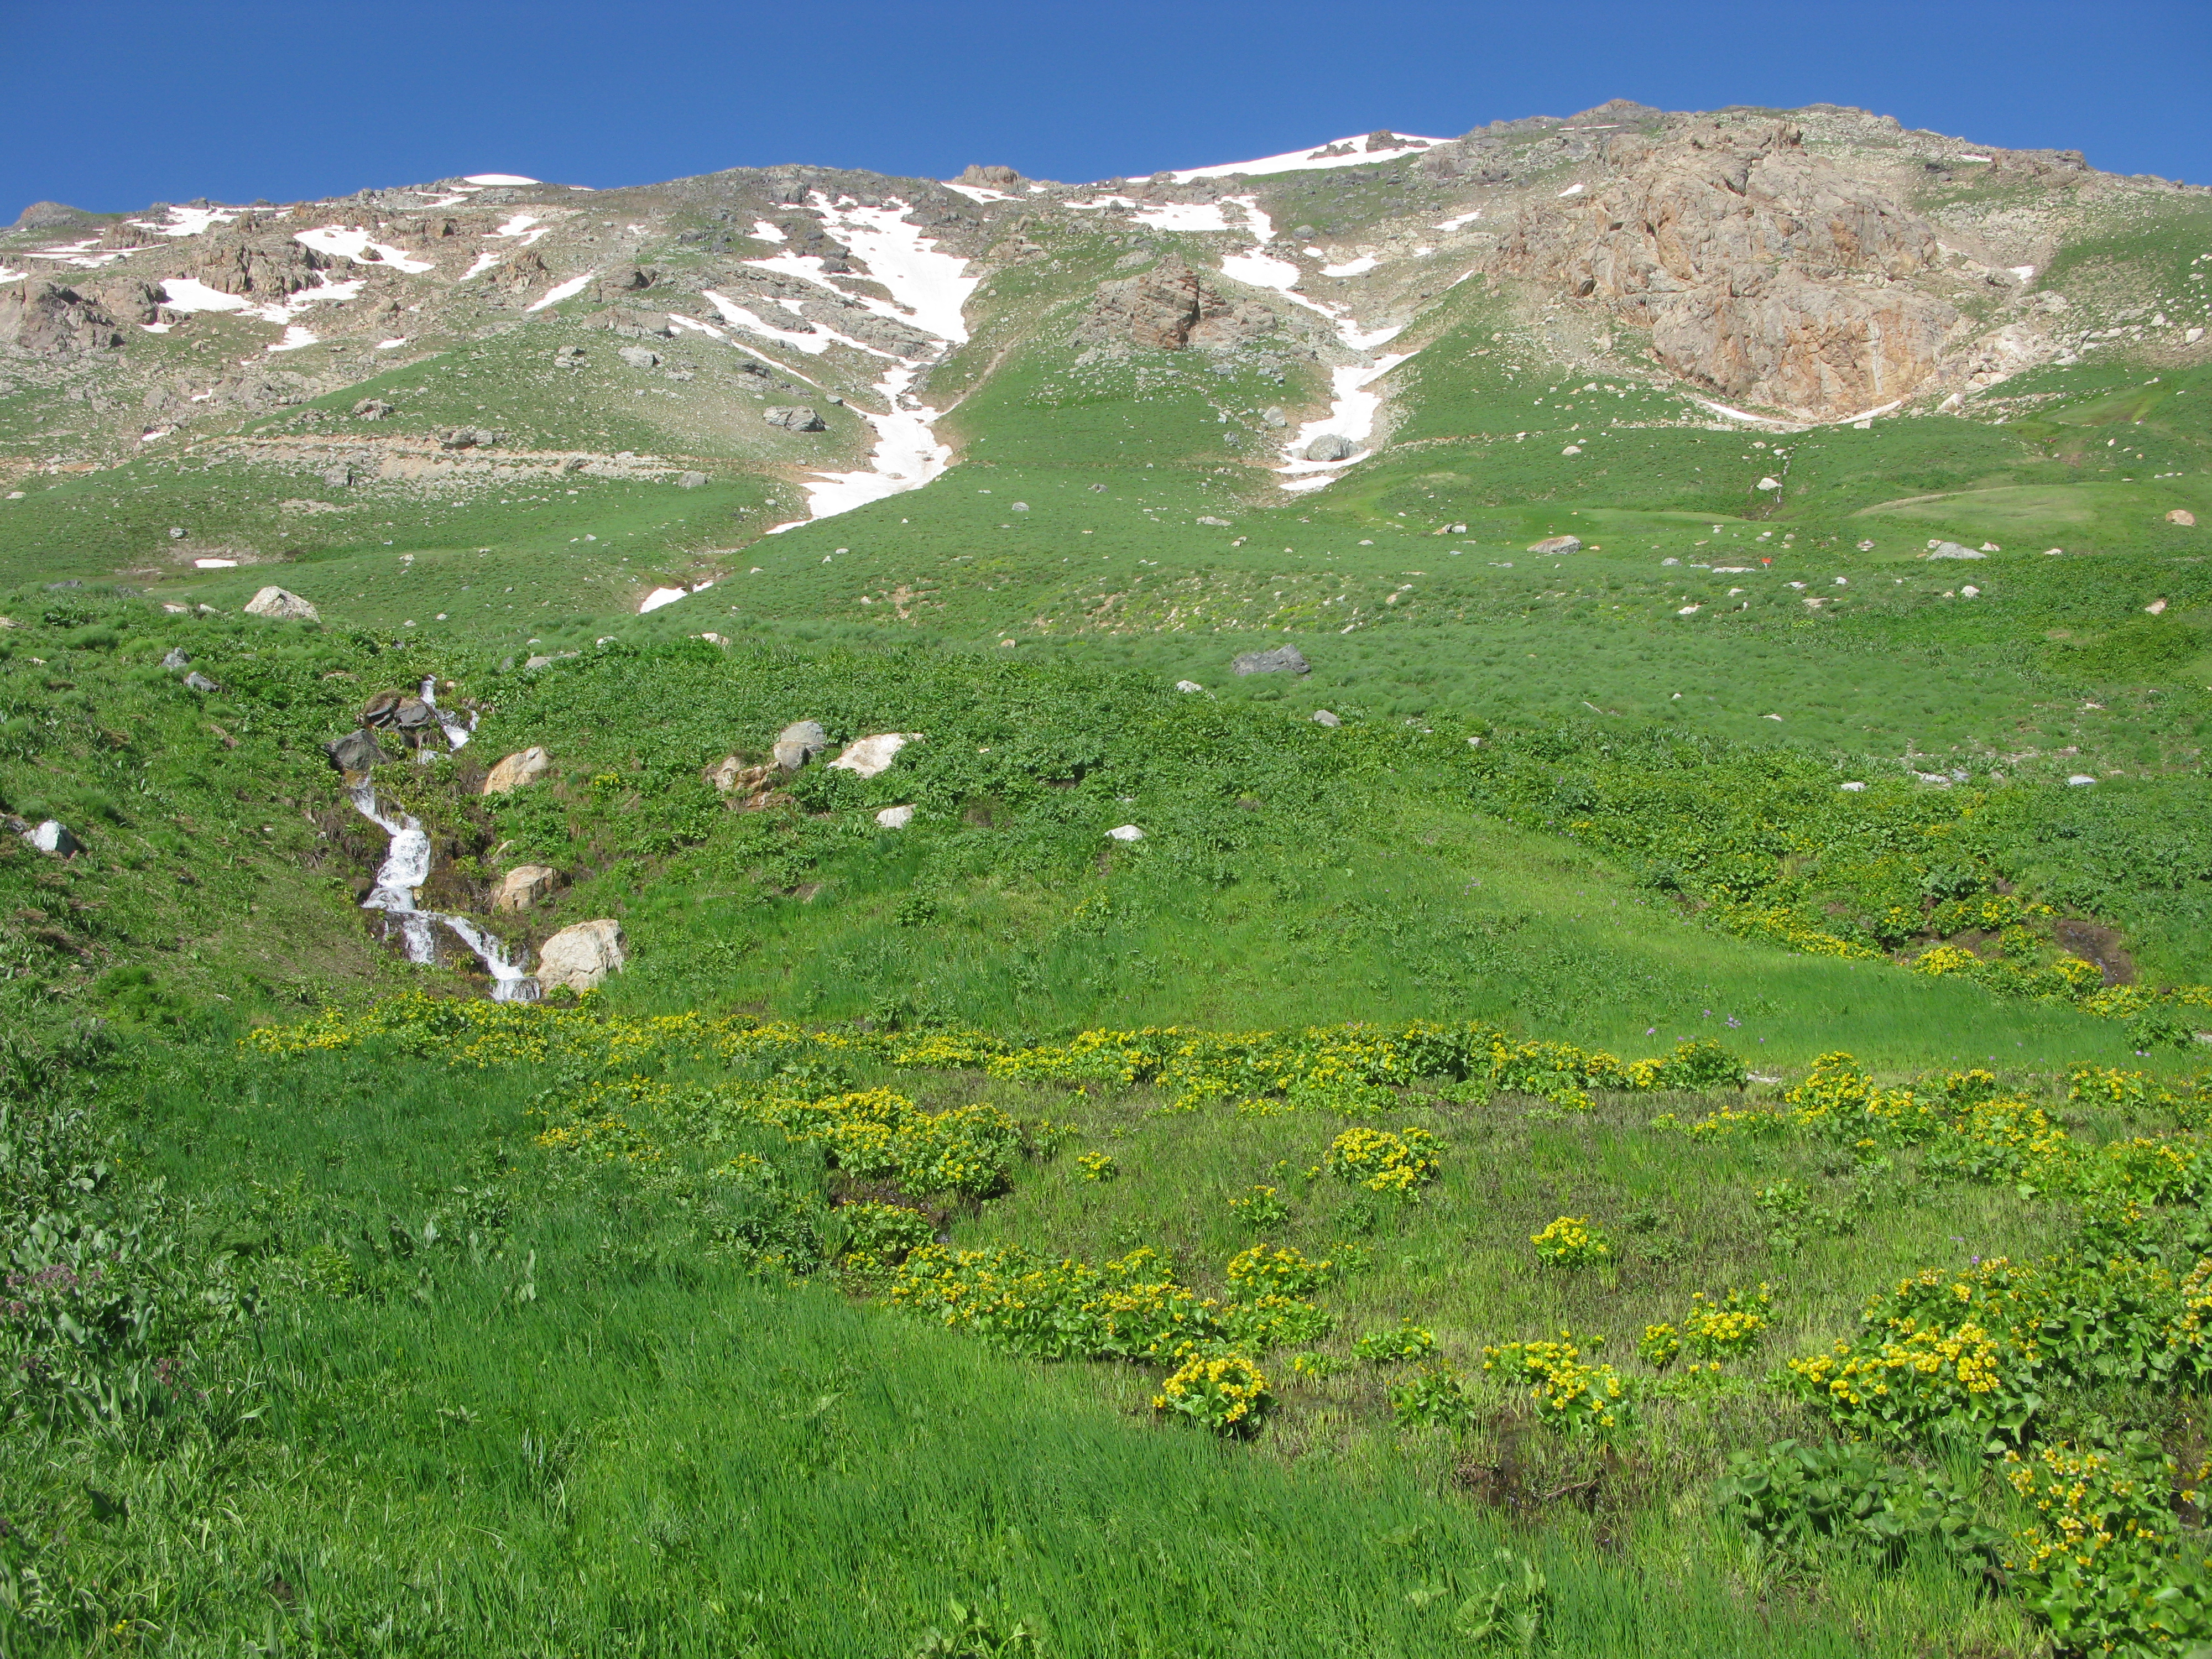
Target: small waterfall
{"x":406,"y":866}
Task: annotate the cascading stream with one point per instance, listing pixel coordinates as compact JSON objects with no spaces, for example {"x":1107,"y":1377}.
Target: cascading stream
{"x":406,"y":866}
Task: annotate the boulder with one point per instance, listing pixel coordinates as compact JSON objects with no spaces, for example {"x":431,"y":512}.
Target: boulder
{"x":640,"y":356}
{"x":469,"y":437}
{"x":373,"y":409}
{"x":356,"y":751}
{"x":583,"y":956}
{"x":1953,"y":550}
{"x":866,"y":757}
{"x":279,"y":605}
{"x":794,"y":420}
{"x":800,"y":742}
{"x":1275,"y":418}
{"x":516,"y":770}
{"x":524,"y":886}
{"x":176,"y":659}
{"x":1556,"y":544}
{"x":1125,"y":832}
{"x":197,"y":681}
{"x":1330,"y":446}
{"x":895,"y":818}
{"x":690,"y":480}
{"x":1283,"y":660}
{"x":1323,"y":717}
{"x":1188,"y":685}
{"x":2183,"y":516}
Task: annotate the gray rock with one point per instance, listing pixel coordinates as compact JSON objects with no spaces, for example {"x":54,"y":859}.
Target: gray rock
{"x":1188,"y":685}
{"x":895,"y":818}
{"x":368,"y":408}
{"x":800,"y":742}
{"x":794,"y":420}
{"x":1275,"y":418}
{"x":1556,"y":544}
{"x":690,"y":480}
{"x":569,"y":357}
{"x":469,"y":437}
{"x":197,"y":681}
{"x":1329,"y":446}
{"x":176,"y":659}
{"x":1323,"y":717}
{"x":1283,"y":660}
{"x":1953,"y":550}
{"x":356,"y":751}
{"x":1218,"y":524}
{"x":640,"y":356}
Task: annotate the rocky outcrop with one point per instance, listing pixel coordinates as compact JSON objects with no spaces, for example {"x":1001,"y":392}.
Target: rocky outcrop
{"x":865,"y":758}
{"x":1171,"y":307}
{"x":1762,"y":272}
{"x":799,"y":419}
{"x":54,"y":320}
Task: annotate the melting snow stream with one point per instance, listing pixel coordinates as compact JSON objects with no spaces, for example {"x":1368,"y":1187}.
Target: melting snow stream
{"x":406,"y":866}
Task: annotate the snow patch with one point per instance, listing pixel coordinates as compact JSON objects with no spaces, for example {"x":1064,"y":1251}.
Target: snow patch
{"x":295,"y":337}
{"x":561,"y":291}
{"x":187,"y":221}
{"x":765,"y":232}
{"x":906,"y":457}
{"x":1366,"y":261}
{"x":484,"y":261}
{"x":1343,"y":152}
{"x":1463,"y":219}
{"x":975,"y":193}
{"x":349,"y":243}
{"x":497,"y":178}
{"x":521,"y":226}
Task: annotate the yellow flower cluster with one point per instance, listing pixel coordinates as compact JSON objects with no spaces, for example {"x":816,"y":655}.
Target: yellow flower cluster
{"x":1226,"y":1393}
{"x":1929,"y":1357}
{"x":1570,"y":1394}
{"x":1276,"y":1270}
{"x":1384,"y":1162}
{"x":1349,"y":1070}
{"x":1730,"y":1326}
{"x":2086,"y":1502}
{"x":1097,"y":1166}
{"x":1571,"y":1241}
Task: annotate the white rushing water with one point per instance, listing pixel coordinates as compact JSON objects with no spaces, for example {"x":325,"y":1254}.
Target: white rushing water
{"x":406,"y":866}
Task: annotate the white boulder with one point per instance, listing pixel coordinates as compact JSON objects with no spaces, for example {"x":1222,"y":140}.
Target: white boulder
{"x":583,"y":956}
{"x":864,"y":757}
{"x":279,"y":605}
{"x":516,"y":770}
{"x":895,"y":818}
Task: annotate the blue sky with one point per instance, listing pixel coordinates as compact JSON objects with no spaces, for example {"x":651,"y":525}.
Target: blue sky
{"x":135,"y":103}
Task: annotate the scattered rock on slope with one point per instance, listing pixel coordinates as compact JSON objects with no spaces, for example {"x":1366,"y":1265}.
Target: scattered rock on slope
{"x":800,"y":419}
{"x":1330,"y":446}
{"x":1556,"y":544}
{"x":356,"y":751}
{"x":53,"y":320}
